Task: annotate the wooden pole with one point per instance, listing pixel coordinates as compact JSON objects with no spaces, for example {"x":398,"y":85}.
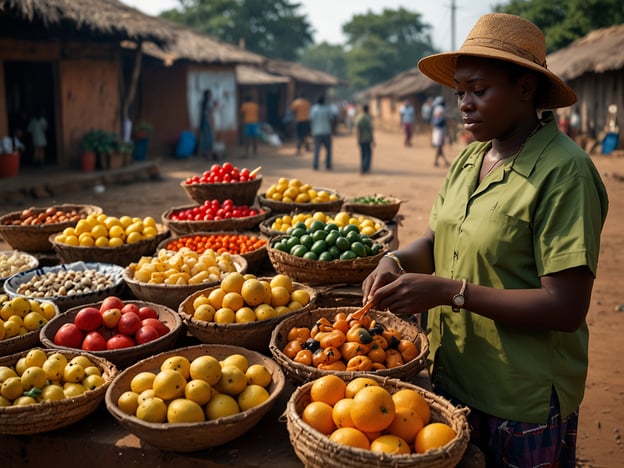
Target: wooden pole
{"x":136,"y":73}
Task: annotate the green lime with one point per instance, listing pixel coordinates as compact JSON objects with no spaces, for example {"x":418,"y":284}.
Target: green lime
{"x":326,"y":257}
{"x":331,"y":227}
{"x":301,"y":225}
{"x":331,"y":237}
{"x":292,"y":241}
{"x":297,"y":232}
{"x":349,"y":228}
{"x":353,"y":236}
{"x":281,"y":246}
{"x":316,"y":225}
{"x":335,"y":251}
{"x":319,"y":235}
{"x":310,"y":256}
{"x":319,"y":246}
{"x":306,"y":240}
{"x":343,"y":244}
{"x":375,"y":248}
{"x":359,"y":249}
{"x":348,"y":255}
{"x":299,"y":250}
{"x":366,"y":240}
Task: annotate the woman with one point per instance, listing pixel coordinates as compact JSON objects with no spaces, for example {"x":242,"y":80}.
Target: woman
{"x":507,"y":265}
{"x":206,"y":126}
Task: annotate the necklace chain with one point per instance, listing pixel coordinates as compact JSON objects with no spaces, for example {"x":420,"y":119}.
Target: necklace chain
{"x":500,"y":160}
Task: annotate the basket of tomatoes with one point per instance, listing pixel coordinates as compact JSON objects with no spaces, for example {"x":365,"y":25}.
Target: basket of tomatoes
{"x":223,"y":182}
{"x":373,"y":421}
{"x":48,"y":389}
{"x":323,"y":341}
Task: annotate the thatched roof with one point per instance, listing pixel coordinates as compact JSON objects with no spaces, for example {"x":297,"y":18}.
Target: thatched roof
{"x":600,"y":51}
{"x":104,"y":18}
{"x":301,"y":73}
{"x":250,"y":76}
{"x":406,"y":83}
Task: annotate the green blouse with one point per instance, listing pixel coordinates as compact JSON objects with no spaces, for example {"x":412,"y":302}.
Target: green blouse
{"x":539,"y":213}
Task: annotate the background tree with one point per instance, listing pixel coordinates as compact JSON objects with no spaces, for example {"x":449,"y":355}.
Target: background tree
{"x":326,"y":57}
{"x":564,"y":22}
{"x":273,"y":29}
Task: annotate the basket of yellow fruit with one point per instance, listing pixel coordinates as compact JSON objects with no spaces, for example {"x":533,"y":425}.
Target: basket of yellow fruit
{"x":29,"y":230}
{"x":22,"y":318}
{"x":104,"y":238}
{"x":15,"y":261}
{"x":288,"y":195}
{"x":381,"y":206}
{"x":167,"y":400}
{"x":49,"y":389}
{"x":373,"y":421}
{"x":244,"y":309}
{"x":325,"y":341}
{"x":169,"y":277}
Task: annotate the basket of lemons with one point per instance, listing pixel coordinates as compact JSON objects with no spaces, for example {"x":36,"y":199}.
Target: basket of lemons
{"x":288,"y":195}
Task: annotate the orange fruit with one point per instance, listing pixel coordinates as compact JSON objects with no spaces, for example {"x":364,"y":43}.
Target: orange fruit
{"x":389,"y":443}
{"x":221,"y":405}
{"x":408,"y":398}
{"x":351,"y":437}
{"x":432,"y":436}
{"x":358,"y":384}
{"x":406,"y":424}
{"x":233,"y":380}
{"x":373,"y":409}
{"x":318,"y":414}
{"x":232,"y":300}
{"x":341,"y":413}
{"x":328,"y":389}
{"x":233,"y":282}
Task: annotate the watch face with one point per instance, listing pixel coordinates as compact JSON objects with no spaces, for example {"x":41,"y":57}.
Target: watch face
{"x":458,"y":300}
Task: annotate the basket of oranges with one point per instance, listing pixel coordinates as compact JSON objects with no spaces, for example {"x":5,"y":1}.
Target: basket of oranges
{"x":373,"y":421}
{"x":103,"y":238}
{"x":167,"y":399}
{"x":244,"y":310}
{"x":324,"y":341}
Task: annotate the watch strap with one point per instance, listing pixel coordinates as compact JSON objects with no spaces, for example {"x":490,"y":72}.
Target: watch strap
{"x":458,"y":299}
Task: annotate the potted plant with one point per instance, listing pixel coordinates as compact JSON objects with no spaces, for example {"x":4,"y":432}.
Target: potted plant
{"x":141,"y":134}
{"x":142,"y":130}
{"x":125,"y":149}
{"x":9,"y":156}
{"x":102,"y":143}
{"x":88,"y":154}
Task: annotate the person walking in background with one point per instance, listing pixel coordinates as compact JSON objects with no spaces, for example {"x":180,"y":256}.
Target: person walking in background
{"x":507,"y":265}
{"x":438,"y":130}
{"x":301,"y":108}
{"x":206,"y":126}
{"x":425,"y":111}
{"x":250,"y":115}
{"x":37,"y":127}
{"x":407,"y":121}
{"x":350,"y":115}
{"x":365,"y":138}
{"x":320,"y":122}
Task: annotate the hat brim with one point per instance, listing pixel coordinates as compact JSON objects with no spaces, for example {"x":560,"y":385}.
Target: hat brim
{"x":441,"y":69}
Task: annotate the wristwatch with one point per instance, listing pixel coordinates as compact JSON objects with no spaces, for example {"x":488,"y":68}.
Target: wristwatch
{"x":396,"y":260}
{"x":459,"y":299}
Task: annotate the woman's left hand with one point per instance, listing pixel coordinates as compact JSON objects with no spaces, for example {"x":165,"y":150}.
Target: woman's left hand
{"x":410,"y":293}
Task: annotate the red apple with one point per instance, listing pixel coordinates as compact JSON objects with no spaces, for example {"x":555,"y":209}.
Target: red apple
{"x":119,"y":341}
{"x":111,"y":302}
{"x":129,"y":323}
{"x":94,"y":341}
{"x":88,"y":319}
{"x":146,"y":334}
{"x":69,"y":335}
{"x":130,"y":307}
{"x":110,"y":317}
{"x":147,"y":312}
{"x":160,"y":327}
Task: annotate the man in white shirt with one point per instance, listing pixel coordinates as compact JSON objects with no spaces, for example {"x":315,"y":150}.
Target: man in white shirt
{"x":407,"y":121}
{"x":320,"y":122}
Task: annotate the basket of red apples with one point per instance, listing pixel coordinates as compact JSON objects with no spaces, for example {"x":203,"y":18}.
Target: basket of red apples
{"x":222,"y":182}
{"x":121,"y":331}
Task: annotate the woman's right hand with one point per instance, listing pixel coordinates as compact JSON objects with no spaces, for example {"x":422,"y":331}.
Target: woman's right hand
{"x":386,"y":272}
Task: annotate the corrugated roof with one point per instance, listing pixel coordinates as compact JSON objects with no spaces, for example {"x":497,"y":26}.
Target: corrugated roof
{"x":600,"y":51}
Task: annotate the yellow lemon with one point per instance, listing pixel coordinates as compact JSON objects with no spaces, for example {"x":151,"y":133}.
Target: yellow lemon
{"x":117,"y":231}
{"x":216,"y":297}
{"x":245,"y":315}
{"x":128,"y":402}
{"x":282,"y":310}
{"x":178,"y":363}
{"x":20,"y":306}
{"x":146,"y":395}
{"x":204,"y":312}
{"x":52,"y":392}
{"x":252,"y":395}
{"x":236,"y":360}
{"x":34,"y":321}
{"x":199,"y":300}
{"x":233,"y":380}
{"x":93,"y":381}
{"x":99,"y":231}
{"x":73,"y":373}
{"x":294,"y":305}
{"x":24,"y":400}
{"x":134,"y":237}
{"x":142,"y":381}
{"x":198,"y":391}
{"x":283,"y":281}
{"x":34,"y":377}
{"x":115,"y":242}
{"x":279,"y":296}
{"x":257,"y":374}
{"x":224,"y":315}
{"x":233,"y":282}
{"x":36,"y":357}
{"x":152,"y":410}
{"x":182,"y":410}
{"x":221,"y":405}
{"x":102,"y":242}
{"x":12,"y":388}
{"x":206,"y":368}
{"x":169,"y":384}
{"x":253,"y":292}
{"x":48,"y":310}
{"x":81,"y":360}
{"x":265,"y":312}
{"x":6,"y":372}
{"x":301,"y":296}
{"x":233,"y":300}
{"x":86,"y":240}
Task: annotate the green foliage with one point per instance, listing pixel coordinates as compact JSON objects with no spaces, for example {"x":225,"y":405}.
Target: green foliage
{"x":564,"y":22}
{"x":100,"y":141}
{"x":326,"y":57}
{"x":273,"y":29}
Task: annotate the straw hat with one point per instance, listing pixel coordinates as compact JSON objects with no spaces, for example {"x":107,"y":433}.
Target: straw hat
{"x":504,"y":37}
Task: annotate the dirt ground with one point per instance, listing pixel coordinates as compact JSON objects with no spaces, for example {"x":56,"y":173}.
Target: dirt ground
{"x":408,"y":173}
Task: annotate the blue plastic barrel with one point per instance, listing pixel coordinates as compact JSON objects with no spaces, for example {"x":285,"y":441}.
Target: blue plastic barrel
{"x":140,"y":149}
{"x":186,"y":144}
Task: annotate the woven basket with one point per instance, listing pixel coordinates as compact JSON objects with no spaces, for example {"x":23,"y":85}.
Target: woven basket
{"x":36,"y":238}
{"x":285,"y":207}
{"x":29,"y":262}
{"x":23,"y":342}
{"x":252,"y":335}
{"x":241,"y":193}
{"x":230,"y":224}
{"x":189,"y":437}
{"x":122,"y":255}
{"x":316,"y":272}
{"x":48,"y":416}
{"x":265,"y":226}
{"x":12,"y":285}
{"x":255,"y":259}
{"x":385,"y":212}
{"x":302,"y":373}
{"x":315,"y":449}
{"x":125,"y":356}
{"x":171,"y":295}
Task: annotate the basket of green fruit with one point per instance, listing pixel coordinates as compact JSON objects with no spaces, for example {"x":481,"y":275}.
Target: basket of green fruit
{"x":380,"y":206}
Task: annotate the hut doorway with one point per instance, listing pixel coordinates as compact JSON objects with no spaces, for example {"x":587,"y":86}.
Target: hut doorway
{"x":30,"y":90}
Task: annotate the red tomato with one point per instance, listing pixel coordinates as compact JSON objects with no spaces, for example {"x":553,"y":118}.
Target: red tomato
{"x":146,"y":334}
{"x":160,"y":327}
{"x":130,"y":307}
{"x":69,"y":335}
{"x":111,"y":302}
{"x":111,"y":317}
{"x":94,"y":341}
{"x":129,"y":323}
{"x":88,"y":319}
{"x":147,"y":312}
{"x":119,"y":341}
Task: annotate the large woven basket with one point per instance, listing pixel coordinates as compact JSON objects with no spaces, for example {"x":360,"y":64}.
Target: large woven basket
{"x":385,"y":212}
{"x":252,"y":335}
{"x":315,"y":449}
{"x":241,"y":193}
{"x":48,"y":416}
{"x":23,"y":342}
{"x":189,"y":437}
{"x":122,"y":255}
{"x":255,"y":259}
{"x":36,"y":238}
{"x":125,"y":356}
{"x":228,"y":224}
{"x":171,"y":295}
{"x":115,"y":272}
{"x":302,"y":373}
{"x":27,"y":262}
{"x":286,"y":207}
{"x":316,"y":272}
{"x":267,"y":230}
